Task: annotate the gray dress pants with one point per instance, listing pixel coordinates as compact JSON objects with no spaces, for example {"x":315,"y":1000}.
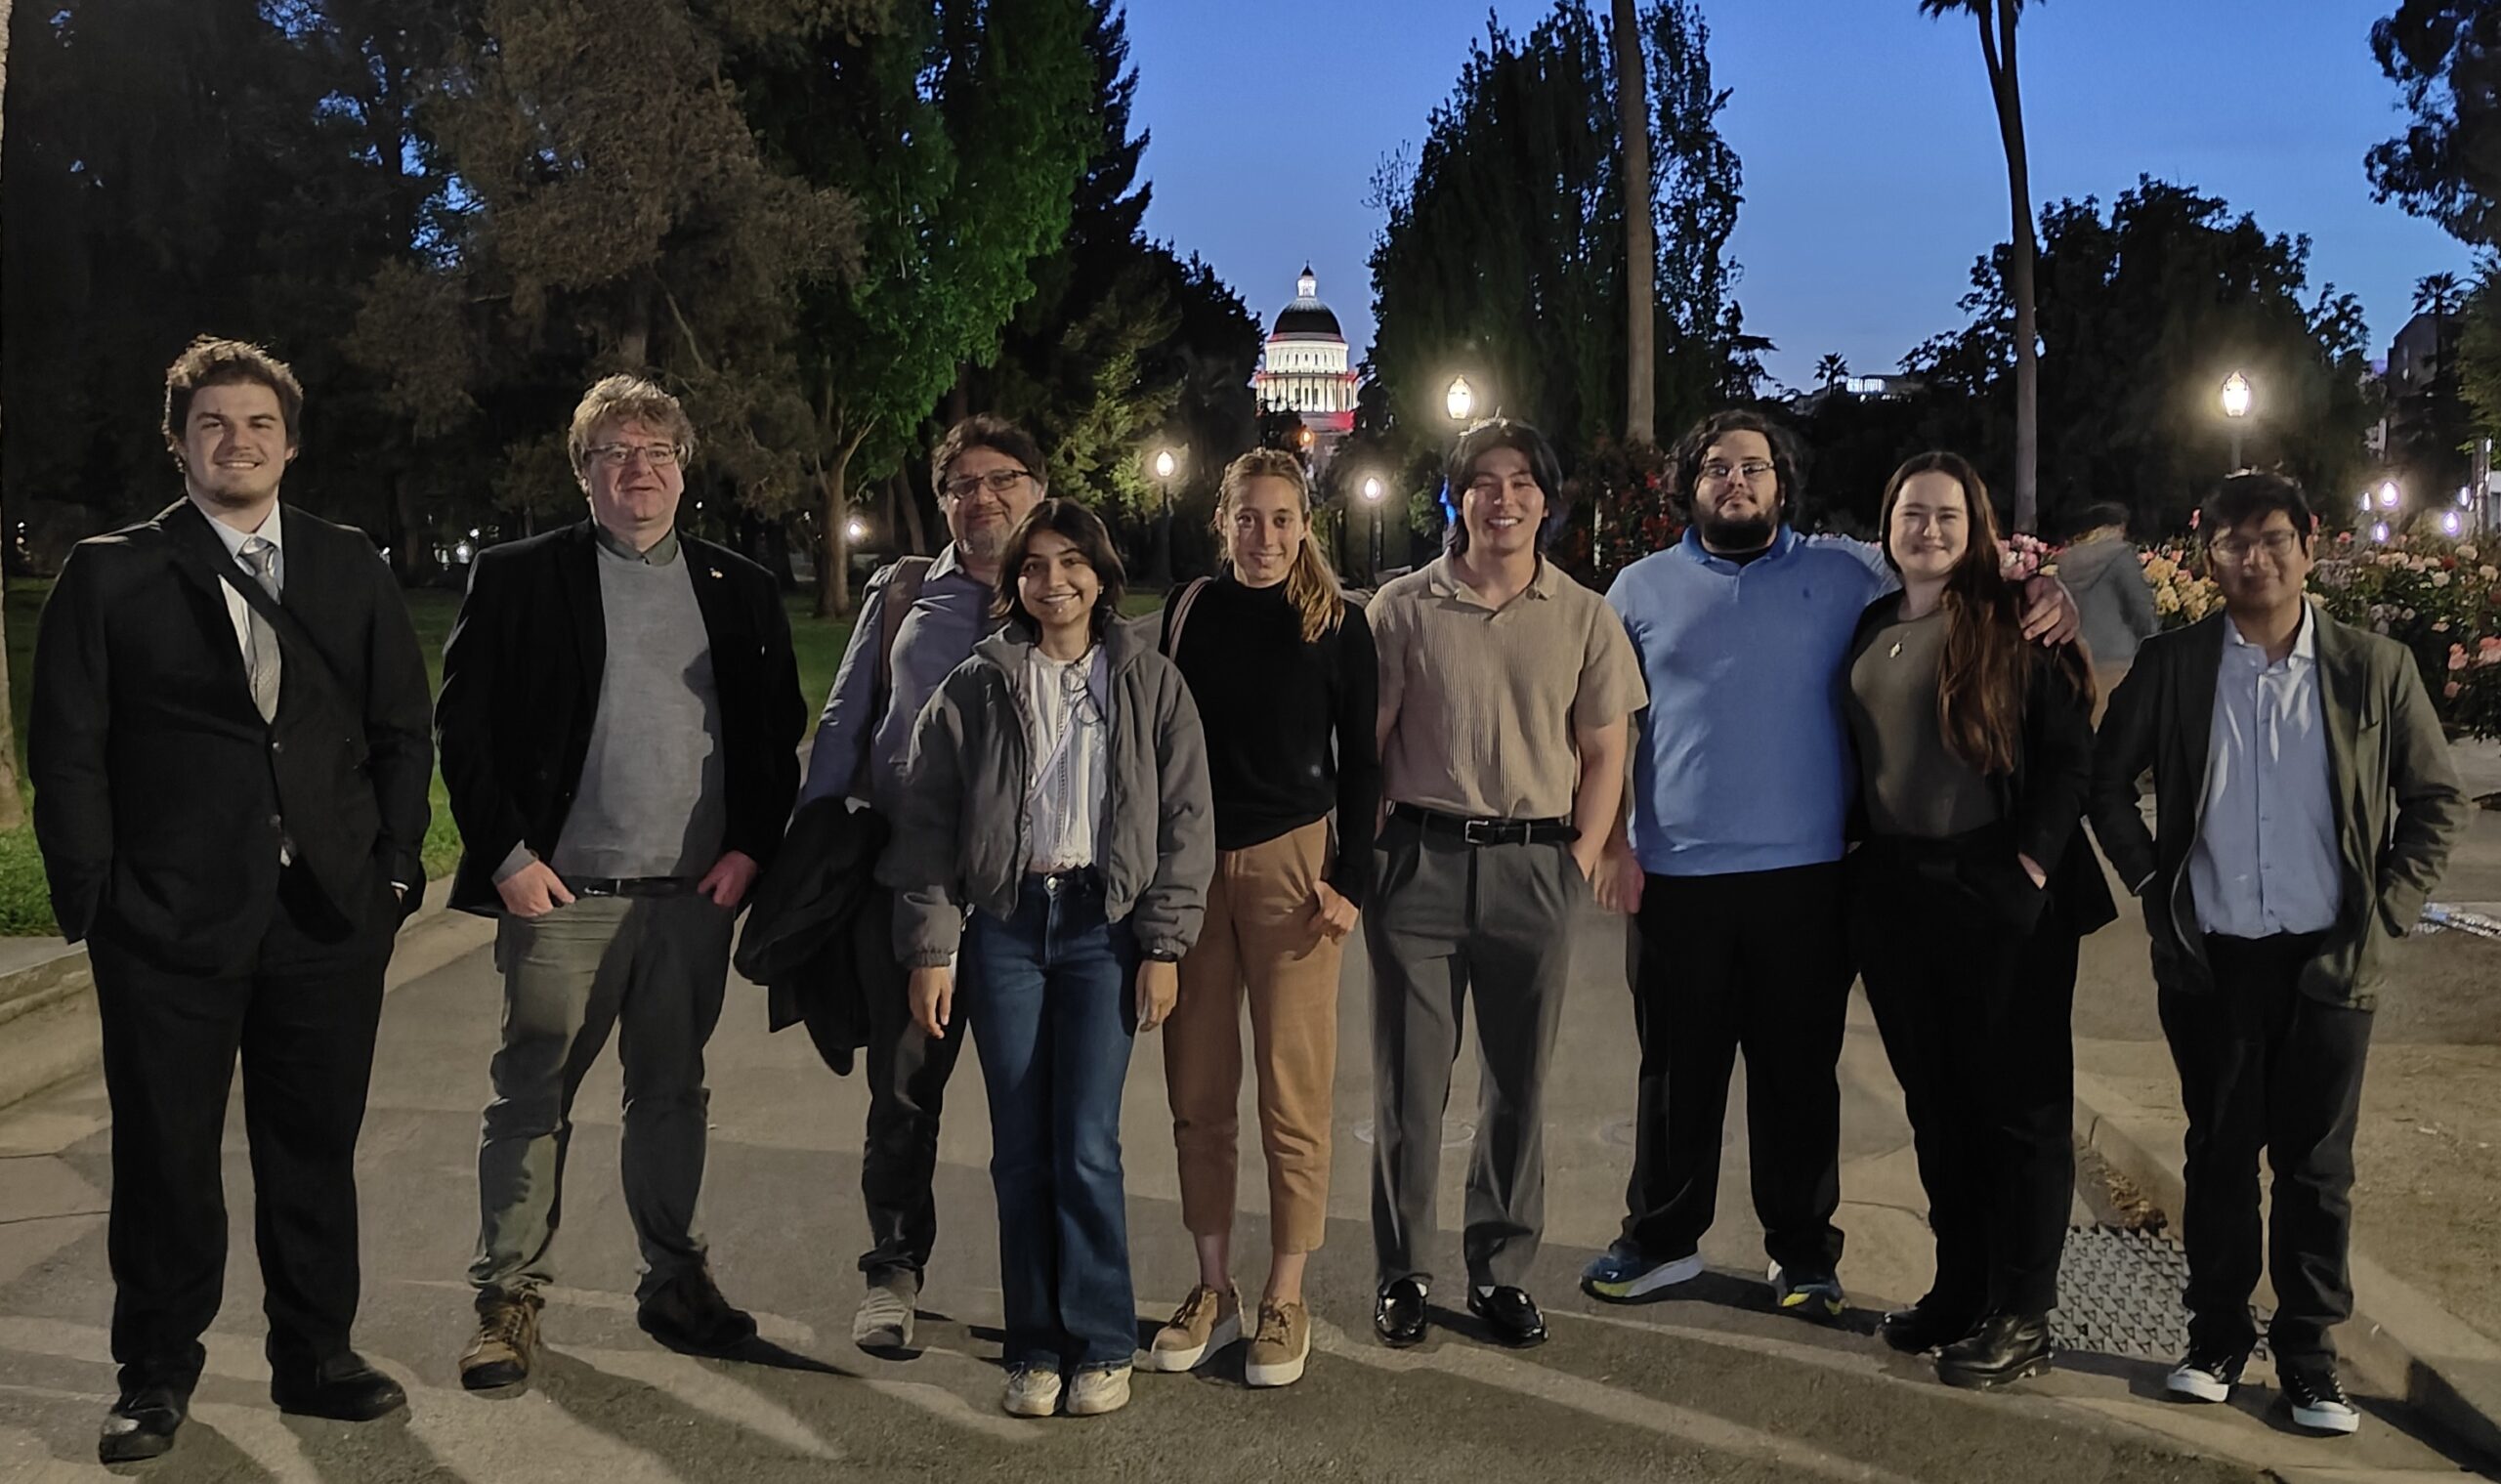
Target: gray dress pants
{"x":1446,"y":922}
{"x":652,"y":969}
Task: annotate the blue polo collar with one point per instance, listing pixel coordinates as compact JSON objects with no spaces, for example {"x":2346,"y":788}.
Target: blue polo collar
{"x":1783,"y":543}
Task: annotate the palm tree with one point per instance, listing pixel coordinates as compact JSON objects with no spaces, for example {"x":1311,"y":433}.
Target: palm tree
{"x":12,"y":808}
{"x":1641,"y":234}
{"x":1831,"y":369}
{"x":1996,"y":22}
{"x":2437,"y":295}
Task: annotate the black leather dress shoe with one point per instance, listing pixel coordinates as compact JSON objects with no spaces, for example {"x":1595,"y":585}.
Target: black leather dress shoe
{"x":688,"y":1313}
{"x":342,"y":1388}
{"x":1510,"y":1314}
{"x":1921,"y":1328}
{"x":1398,"y":1314}
{"x":142,"y":1425}
{"x":2006,"y":1347}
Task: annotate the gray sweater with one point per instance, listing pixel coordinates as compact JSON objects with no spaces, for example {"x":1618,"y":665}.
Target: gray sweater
{"x":960,"y":821}
{"x":2112,"y":595}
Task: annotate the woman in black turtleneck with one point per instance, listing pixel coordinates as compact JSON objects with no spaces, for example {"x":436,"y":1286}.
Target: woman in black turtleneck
{"x":1282,"y":670}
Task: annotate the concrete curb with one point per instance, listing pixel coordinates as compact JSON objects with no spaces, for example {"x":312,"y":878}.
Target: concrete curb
{"x":48,"y":1015}
{"x":2399,"y":1340}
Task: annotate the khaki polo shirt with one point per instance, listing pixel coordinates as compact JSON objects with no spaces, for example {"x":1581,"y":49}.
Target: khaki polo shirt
{"x":1483,"y":700}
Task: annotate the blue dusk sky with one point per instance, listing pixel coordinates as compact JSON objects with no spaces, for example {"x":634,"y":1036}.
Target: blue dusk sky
{"x":1873,"y":176}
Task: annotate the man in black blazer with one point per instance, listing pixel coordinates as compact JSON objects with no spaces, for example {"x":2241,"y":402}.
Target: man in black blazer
{"x":229,"y":753}
{"x":619,"y":720}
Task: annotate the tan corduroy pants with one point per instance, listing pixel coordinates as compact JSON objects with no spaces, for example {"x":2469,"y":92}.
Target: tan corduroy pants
{"x":1262,"y":936}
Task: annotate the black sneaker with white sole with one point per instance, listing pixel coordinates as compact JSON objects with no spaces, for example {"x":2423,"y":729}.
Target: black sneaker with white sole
{"x":2316,"y":1396}
{"x":2205,"y":1375}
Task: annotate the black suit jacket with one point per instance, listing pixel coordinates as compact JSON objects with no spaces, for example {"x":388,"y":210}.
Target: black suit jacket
{"x":159,"y":791}
{"x":521,"y":679}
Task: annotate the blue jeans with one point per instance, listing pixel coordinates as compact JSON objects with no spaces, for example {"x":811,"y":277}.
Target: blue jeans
{"x":1049,"y":994}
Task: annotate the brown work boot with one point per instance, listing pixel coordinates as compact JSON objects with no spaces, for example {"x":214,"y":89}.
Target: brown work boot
{"x":1281,"y":1347}
{"x":1206,"y":1322}
{"x":507,"y":1341}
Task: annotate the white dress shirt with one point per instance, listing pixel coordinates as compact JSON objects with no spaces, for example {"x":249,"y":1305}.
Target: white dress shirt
{"x":2265,"y":860}
{"x":236,"y":609}
{"x":1068,"y":720}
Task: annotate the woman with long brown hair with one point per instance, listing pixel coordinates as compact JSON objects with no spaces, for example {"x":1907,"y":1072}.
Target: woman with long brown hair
{"x":1968,"y":895}
{"x":1284,"y":673}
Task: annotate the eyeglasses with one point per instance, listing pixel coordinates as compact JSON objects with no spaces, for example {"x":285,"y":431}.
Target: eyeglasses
{"x":620,"y":455}
{"x":2239,"y":549}
{"x":997,"y":481}
{"x":1721,"y":472}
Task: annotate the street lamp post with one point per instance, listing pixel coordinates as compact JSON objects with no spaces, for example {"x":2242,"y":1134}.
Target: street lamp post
{"x":2236,"y":398}
{"x":1372,"y":498}
{"x":1460,"y":402}
{"x":1165,"y":464}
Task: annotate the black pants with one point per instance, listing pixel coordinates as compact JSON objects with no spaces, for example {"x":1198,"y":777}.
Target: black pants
{"x":2264,"y":1066}
{"x":1974,"y":1011}
{"x":302,"y":1018}
{"x":906,"y":1075}
{"x":1756,"y":960}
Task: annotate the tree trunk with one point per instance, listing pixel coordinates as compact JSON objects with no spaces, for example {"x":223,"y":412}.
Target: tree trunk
{"x":1640,"y":232}
{"x":13,"y":807}
{"x":2006,"y":86}
{"x":833,"y":547}
{"x":917,"y":532}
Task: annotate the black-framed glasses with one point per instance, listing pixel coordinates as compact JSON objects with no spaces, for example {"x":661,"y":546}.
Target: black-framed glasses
{"x":998,"y":482}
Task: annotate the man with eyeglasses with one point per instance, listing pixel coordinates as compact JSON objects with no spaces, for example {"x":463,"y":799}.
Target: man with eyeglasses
{"x":1742,"y":781}
{"x":2303,"y":807}
{"x":920,"y":618}
{"x":620,"y":726}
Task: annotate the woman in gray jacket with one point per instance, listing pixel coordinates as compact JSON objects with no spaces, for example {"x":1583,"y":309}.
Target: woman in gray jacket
{"x":1055,"y":837}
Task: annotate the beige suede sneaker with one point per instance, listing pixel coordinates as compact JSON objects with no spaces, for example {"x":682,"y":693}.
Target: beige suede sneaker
{"x":1281,"y":1347}
{"x":1206,"y":1322}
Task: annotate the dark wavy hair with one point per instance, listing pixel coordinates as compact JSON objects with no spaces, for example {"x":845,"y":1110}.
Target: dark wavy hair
{"x":209,"y":361}
{"x":1543,"y":467}
{"x":1985,"y":668}
{"x":1085,"y":530}
{"x":1684,"y":460}
{"x":2245,"y":497}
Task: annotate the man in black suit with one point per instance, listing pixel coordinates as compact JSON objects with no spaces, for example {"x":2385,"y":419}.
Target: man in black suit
{"x":620,"y":721}
{"x":229,"y":753}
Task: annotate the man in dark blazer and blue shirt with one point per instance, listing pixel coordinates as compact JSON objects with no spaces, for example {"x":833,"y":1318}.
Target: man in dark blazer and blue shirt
{"x":228,"y":746}
{"x":2305,"y":804}
{"x":619,"y":720}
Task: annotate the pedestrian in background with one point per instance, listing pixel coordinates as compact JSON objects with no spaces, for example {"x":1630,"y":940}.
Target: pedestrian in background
{"x":2101,"y":566}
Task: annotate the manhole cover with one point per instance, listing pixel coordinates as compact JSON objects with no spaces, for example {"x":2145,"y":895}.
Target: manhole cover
{"x":2119,"y":1294}
{"x":1455,"y":1132}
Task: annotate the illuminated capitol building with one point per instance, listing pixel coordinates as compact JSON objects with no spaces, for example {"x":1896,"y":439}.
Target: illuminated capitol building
{"x":1304,"y":369}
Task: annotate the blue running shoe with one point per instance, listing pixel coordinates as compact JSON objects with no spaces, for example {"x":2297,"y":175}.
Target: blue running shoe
{"x":1624,"y":1274}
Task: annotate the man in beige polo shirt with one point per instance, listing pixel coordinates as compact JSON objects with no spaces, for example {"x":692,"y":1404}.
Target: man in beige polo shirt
{"x":1505,"y":689}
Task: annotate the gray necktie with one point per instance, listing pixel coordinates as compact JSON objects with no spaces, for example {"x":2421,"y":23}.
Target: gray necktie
{"x":261,"y":557}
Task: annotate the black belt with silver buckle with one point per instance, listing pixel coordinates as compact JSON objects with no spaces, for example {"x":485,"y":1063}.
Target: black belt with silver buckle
{"x":632,"y":886}
{"x":1487,"y":832}
{"x":1074,"y":878}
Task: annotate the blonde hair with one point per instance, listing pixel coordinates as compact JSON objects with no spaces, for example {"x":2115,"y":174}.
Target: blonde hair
{"x":628,"y":398}
{"x":1312,"y":584}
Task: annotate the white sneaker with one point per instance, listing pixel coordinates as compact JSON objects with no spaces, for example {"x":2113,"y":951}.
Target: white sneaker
{"x":1097,"y":1390}
{"x":1032,"y":1391}
{"x":2205,"y":1375}
{"x":883,"y":1322}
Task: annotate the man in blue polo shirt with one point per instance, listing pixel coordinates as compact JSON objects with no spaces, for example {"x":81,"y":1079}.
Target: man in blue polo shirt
{"x":1742,"y":780}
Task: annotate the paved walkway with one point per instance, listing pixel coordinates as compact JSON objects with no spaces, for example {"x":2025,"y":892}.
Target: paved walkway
{"x":1709,"y":1385}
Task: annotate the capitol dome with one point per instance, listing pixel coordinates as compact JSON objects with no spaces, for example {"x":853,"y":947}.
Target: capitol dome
{"x":1305,"y":369}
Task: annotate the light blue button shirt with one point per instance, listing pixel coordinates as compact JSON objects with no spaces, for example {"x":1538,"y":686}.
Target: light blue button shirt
{"x":2265,"y":860}
{"x":858,"y":751}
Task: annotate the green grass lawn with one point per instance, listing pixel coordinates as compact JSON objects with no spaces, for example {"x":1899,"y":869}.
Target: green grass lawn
{"x":25,"y":907}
